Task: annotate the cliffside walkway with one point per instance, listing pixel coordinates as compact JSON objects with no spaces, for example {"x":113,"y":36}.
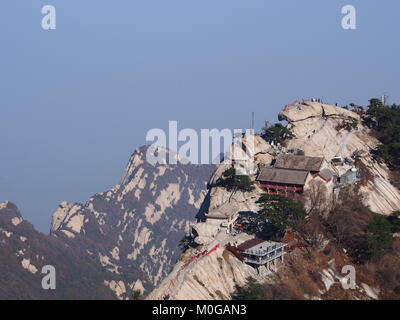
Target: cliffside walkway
{"x":176,"y":283}
{"x":221,"y":240}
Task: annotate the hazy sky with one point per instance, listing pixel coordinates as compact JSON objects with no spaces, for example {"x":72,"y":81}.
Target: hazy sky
{"x":76,"y":101}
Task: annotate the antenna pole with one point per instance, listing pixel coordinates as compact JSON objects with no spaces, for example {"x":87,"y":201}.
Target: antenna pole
{"x":385,"y":99}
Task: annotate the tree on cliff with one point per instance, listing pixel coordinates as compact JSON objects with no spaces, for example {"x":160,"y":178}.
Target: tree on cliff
{"x":276,"y":133}
{"x":379,"y":236}
{"x":281,"y":212}
{"x":251,"y":291}
{"x":232,"y":181}
{"x":385,"y":121}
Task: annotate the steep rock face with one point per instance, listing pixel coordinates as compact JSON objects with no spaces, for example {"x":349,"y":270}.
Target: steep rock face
{"x":215,"y":275}
{"x":319,"y":132}
{"x":133,"y":229}
{"x":212,"y":277}
{"x":25,"y":251}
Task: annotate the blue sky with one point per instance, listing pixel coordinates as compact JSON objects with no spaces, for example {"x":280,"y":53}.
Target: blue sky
{"x":76,"y":101}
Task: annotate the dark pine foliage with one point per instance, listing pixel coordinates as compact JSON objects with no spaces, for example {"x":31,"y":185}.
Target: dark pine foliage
{"x":385,"y":121}
{"x":279,"y":213}
{"x":251,"y":291}
{"x":276,"y":133}
{"x":231,"y":181}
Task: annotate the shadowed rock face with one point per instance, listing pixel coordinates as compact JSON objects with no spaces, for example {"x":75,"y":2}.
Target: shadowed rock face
{"x":133,"y":230}
{"x":24,"y":251}
{"x":9,"y":213}
{"x":120,"y":241}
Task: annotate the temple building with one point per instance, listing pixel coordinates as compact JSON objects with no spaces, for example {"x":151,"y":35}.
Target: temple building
{"x":282,"y":181}
{"x":290,"y":173}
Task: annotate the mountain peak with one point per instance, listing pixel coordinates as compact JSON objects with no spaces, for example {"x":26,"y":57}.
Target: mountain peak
{"x":10,"y":213}
{"x":143,"y":157}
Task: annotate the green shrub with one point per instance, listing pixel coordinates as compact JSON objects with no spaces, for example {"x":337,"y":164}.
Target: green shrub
{"x":185,"y":243}
{"x":281,"y":212}
{"x":379,"y":236}
{"x":394,"y":220}
{"x":276,"y":133}
{"x":365,"y":234}
{"x":251,"y":291}
{"x":136,"y":295}
{"x":385,"y":121}
{"x":352,"y":124}
{"x":232,"y":181}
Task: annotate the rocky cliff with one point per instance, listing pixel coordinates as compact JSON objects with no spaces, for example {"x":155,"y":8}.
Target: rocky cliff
{"x":320,"y":130}
{"x":25,"y":251}
{"x":133,"y":230}
{"x":126,"y":238}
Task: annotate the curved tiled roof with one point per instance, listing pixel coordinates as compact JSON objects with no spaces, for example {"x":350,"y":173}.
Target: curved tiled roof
{"x":284,"y":176}
{"x":292,"y":162}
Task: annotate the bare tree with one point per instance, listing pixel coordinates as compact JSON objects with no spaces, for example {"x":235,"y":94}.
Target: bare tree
{"x":316,"y":198}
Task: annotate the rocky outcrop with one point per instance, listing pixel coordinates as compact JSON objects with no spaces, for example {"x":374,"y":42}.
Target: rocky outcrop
{"x":216,"y":274}
{"x":133,"y":229}
{"x":320,"y":130}
{"x":10,"y":213}
{"x":122,"y":241}
{"x":212,"y":277}
{"x":25,"y":251}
